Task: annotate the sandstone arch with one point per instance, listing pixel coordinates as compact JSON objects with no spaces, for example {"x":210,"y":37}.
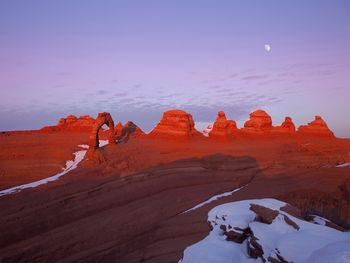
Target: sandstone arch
{"x":102,"y":118}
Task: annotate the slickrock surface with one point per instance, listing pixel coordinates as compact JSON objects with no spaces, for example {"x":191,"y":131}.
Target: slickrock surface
{"x":30,"y":156}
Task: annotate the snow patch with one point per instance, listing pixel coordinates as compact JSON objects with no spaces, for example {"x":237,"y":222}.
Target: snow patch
{"x":311,"y":243}
{"x":213,"y":198}
{"x":207,"y":130}
{"x":103,"y":143}
{"x":343,"y":165}
{"x":319,"y":220}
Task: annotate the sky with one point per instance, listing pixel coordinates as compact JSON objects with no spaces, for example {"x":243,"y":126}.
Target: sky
{"x":138,"y":58}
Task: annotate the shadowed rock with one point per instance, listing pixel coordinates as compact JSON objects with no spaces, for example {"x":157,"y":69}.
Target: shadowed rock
{"x":130,"y":130}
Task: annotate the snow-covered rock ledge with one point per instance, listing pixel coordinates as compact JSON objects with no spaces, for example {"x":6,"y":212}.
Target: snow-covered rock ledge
{"x":267,"y":230}
{"x":70,"y":165}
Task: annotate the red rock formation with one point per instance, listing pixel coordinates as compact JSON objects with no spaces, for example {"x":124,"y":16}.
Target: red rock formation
{"x":286,"y":127}
{"x":258,"y":122}
{"x":317,"y":127}
{"x":130,"y":130}
{"x":223,"y":128}
{"x":118,"y":129}
{"x":72,"y":123}
{"x":175,"y":124}
{"x":102,"y":118}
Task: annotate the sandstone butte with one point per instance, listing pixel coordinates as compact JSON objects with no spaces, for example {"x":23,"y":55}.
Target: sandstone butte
{"x":175,"y":124}
{"x":259,"y":122}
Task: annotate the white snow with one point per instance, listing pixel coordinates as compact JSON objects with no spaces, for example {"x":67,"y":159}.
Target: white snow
{"x":103,"y":143}
{"x":311,"y":243}
{"x":211,"y":199}
{"x":343,"y":165}
{"x":70,"y":165}
{"x":207,"y":130}
{"x":319,"y":220}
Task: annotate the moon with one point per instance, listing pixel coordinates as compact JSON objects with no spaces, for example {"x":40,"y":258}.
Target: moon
{"x":267,"y":47}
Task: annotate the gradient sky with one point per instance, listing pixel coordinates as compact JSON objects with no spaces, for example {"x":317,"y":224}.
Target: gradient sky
{"x":136,"y":59}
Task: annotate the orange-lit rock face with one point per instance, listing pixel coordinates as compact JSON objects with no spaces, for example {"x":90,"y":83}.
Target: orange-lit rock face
{"x":259,"y":121}
{"x":118,"y":129}
{"x":223,"y":128}
{"x":286,"y":127}
{"x":102,"y":118}
{"x":72,"y":123}
{"x":317,"y":127}
{"x":176,"y":124}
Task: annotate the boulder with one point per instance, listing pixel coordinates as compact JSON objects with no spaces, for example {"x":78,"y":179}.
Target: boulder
{"x":175,"y":124}
{"x":255,"y":249}
{"x":235,"y":234}
{"x":264,"y":214}
{"x":317,"y":128}
{"x":223,"y":128}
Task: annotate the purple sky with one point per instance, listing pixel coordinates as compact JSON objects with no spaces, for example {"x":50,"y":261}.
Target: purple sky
{"x":136,"y":59}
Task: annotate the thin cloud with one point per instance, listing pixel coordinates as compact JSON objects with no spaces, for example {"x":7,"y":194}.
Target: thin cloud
{"x":254,"y":77}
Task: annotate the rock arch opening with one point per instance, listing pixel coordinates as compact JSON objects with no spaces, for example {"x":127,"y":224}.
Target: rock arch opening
{"x":102,"y":119}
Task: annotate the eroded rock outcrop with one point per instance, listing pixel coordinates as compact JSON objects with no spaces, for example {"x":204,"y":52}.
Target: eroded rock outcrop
{"x":129,"y":130}
{"x":118,"y":129}
{"x":318,"y":127}
{"x":259,"y":122}
{"x":223,"y":128}
{"x":287,"y":127}
{"x":102,"y":118}
{"x":175,"y":124}
{"x":73,"y":124}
